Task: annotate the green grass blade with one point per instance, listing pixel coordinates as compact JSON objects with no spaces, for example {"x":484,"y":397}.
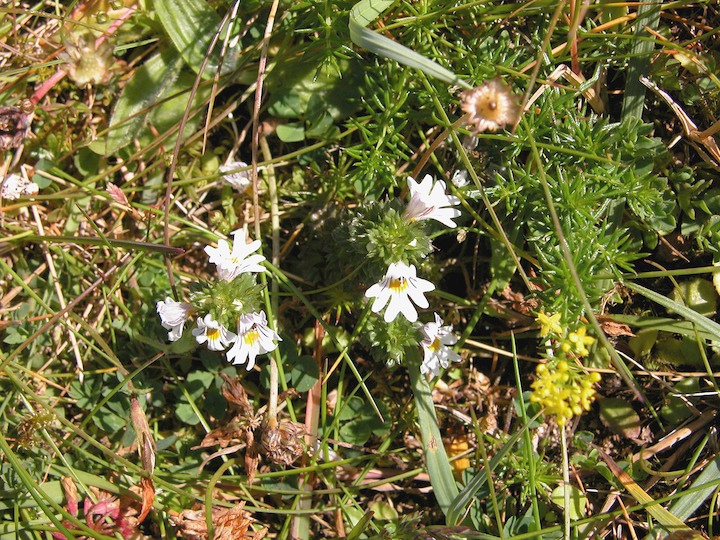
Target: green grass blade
{"x":648,"y":16}
{"x":191,"y":25}
{"x":465,"y":497}
{"x":436,"y":460}
{"x":705,"y":484}
{"x":366,"y":11}
{"x":703,"y":323}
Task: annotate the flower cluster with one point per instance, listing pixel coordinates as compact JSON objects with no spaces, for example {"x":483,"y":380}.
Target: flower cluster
{"x":562,"y":387}
{"x":398,"y":236}
{"x":401,"y":287}
{"x":563,"y":390}
{"x":436,"y":353}
{"x":232,"y":300}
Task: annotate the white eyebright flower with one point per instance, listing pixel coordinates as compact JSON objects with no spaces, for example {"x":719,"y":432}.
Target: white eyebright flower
{"x":232,"y":263}
{"x":436,"y":339}
{"x":460,"y":178}
{"x":213,"y":333}
{"x":173,"y":316}
{"x":254,"y":337}
{"x":399,"y":286}
{"x":16,"y":186}
{"x":428,"y":201}
{"x":240,"y":180}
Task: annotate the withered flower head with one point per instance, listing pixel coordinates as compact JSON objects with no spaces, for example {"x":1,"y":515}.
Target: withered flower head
{"x":87,"y":64}
{"x":283,"y":442}
{"x":15,"y":124}
{"x":490,"y":106}
{"x":230,"y":524}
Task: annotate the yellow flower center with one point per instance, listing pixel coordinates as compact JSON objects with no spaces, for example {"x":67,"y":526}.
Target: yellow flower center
{"x":213,"y":334}
{"x":435,"y":345}
{"x":251,"y":336}
{"x":398,"y":284}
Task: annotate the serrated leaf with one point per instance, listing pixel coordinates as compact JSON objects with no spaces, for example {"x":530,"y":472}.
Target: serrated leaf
{"x":191,"y":25}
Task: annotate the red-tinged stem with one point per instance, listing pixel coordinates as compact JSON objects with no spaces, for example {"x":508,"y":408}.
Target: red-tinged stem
{"x":59,"y":75}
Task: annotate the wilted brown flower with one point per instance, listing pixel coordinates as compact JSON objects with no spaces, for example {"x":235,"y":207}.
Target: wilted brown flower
{"x":102,"y":512}
{"x":15,"y":124}
{"x":229,"y":524}
{"x":282,"y":443}
{"x":490,"y":106}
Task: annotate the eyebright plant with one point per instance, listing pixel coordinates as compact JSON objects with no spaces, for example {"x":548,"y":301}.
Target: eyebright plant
{"x":230,"y":302}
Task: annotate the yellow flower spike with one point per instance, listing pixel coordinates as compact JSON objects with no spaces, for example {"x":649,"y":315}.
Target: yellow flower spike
{"x":549,"y":324}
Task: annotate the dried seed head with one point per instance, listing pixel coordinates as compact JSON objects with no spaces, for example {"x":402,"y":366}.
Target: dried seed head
{"x":233,"y":523}
{"x":282,"y":443}
{"x":490,"y":106}
{"x":15,"y":124}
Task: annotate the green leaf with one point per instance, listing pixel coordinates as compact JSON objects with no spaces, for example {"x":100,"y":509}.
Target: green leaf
{"x":142,"y":101}
{"x":305,"y":373}
{"x":186,"y":414}
{"x":648,"y":18}
{"x":702,"y":487}
{"x":292,"y":132}
{"x":676,"y":408}
{"x":703,"y":323}
{"x":697,"y":294}
{"x":578,"y":501}
{"x":191,"y":25}
{"x":619,"y":416}
{"x":359,"y":421}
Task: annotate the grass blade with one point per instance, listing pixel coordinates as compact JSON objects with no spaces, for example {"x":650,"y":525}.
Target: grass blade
{"x":436,"y":460}
{"x":703,"y":486}
{"x":648,"y":16}
{"x":703,"y":323}
{"x":366,"y":11}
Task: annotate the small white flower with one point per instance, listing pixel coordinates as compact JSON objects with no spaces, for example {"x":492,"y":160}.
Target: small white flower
{"x":213,"y":333}
{"x":436,"y":339}
{"x":232,"y":263}
{"x":254,"y":337}
{"x":460,"y":178}
{"x":399,"y":286}
{"x":173,"y":316}
{"x":240,"y":180}
{"x":428,"y":201}
{"x":16,"y":186}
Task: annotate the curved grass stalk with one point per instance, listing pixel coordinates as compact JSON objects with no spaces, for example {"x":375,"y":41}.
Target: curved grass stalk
{"x":363,"y":13}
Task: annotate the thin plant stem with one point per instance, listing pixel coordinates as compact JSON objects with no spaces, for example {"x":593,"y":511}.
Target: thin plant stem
{"x":274,"y":377}
{"x":566,"y":482}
